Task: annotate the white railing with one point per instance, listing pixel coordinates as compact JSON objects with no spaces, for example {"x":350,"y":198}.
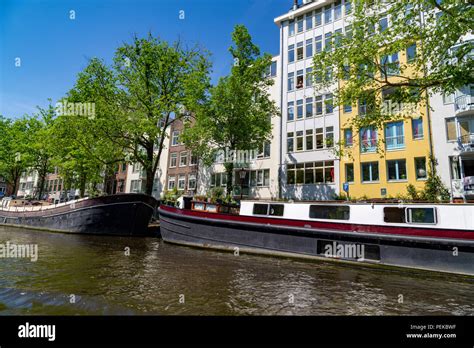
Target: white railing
{"x":464,"y":103}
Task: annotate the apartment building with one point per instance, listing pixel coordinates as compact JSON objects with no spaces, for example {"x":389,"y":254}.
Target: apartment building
{"x":28,"y":184}
{"x":380,"y":163}
{"x":256,"y":173}
{"x":453,"y":139}
{"x":182,"y":166}
{"x":310,"y":121}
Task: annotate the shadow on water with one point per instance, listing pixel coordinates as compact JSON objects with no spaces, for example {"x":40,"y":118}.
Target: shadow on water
{"x":156,"y":278}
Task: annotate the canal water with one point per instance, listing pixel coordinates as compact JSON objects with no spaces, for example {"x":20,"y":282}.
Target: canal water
{"x":92,"y":275}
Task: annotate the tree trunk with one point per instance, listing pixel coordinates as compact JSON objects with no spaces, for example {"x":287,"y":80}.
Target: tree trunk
{"x":82,"y":185}
{"x":229,"y":169}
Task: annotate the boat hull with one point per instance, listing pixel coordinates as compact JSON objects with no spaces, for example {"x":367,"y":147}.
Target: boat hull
{"x":215,"y":231}
{"x":123,"y":214}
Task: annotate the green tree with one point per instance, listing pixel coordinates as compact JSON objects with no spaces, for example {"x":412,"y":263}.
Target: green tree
{"x":145,"y":90}
{"x":15,"y":155}
{"x":432,"y":31}
{"x":237,"y":115}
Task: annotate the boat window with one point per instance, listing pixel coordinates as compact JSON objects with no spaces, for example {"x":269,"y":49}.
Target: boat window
{"x":276,"y":209}
{"x":393,"y":214}
{"x":422,"y":215}
{"x":260,"y":209}
{"x":333,"y":212}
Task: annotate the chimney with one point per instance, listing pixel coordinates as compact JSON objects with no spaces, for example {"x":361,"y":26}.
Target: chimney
{"x":295,"y":4}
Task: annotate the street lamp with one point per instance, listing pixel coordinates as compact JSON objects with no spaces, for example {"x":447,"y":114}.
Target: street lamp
{"x":242,"y":174}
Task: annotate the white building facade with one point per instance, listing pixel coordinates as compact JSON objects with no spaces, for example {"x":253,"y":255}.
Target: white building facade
{"x":310,"y":121}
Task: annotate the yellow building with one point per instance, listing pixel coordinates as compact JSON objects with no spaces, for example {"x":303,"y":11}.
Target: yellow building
{"x":381,"y":163}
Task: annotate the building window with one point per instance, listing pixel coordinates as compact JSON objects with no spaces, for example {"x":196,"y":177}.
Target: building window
{"x":327,"y":14}
{"x":299,"y":51}
{"x":290,"y":142}
{"x":348,"y":137}
{"x":175,"y":138}
{"x":291,"y":111}
{"x":347,"y":108}
{"x":194,"y":160}
{"x":318,"y":18}
{"x":309,"y":107}
{"x":136,"y":168}
{"x":337,"y":10}
{"x":309,"y":139}
{"x":191,"y":181}
{"x":370,"y":171}
{"x":417,"y":127}
{"x":383,"y":24}
{"x":299,"y":109}
{"x":173,"y":160}
{"x":420,"y":168}
{"x":328,"y":41}
{"x":299,"y":141}
{"x":319,"y":138}
{"x":309,"y":48}
{"x":183,"y":159}
{"x":309,"y":21}
{"x":448,"y":99}
{"x":291,"y":53}
{"x":411,"y":53}
{"x":300,"y":24}
{"x":136,"y":186}
{"x":272,"y":70}
{"x":181,"y":182}
{"x":291,"y":28}
{"x":394,"y":136}
{"x":338,"y":37}
{"x":310,"y":173}
{"x":171,"y":182}
{"x":291,"y":81}
{"x":349,"y":172}
{"x":319,"y":105}
{"x":368,"y":139}
{"x":328,"y":103}
{"x":397,"y":170}
{"x":318,"y":44}
{"x":347,"y":7}
{"x":451,"y":129}
{"x":329,"y":136}
{"x":348,"y":32}
{"x":299,"y":79}
{"x":309,"y":76}
{"x":390,"y":65}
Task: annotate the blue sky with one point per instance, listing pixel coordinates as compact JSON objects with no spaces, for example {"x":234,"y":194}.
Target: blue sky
{"x":53,"y":48}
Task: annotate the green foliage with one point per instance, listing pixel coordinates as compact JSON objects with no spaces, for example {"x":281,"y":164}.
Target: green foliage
{"x":434,"y":190}
{"x":237,"y":115}
{"x":357,"y":57}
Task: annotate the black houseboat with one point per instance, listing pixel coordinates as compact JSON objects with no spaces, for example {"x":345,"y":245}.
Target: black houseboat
{"x":121,"y":214}
{"x":437,"y":237}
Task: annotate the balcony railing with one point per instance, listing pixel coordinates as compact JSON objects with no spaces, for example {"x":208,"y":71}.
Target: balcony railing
{"x":466,"y":142}
{"x":395,"y":142}
{"x":464,"y":103}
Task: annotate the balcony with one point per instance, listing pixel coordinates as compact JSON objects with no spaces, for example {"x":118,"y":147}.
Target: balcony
{"x":466,"y":144}
{"x":464,"y":105}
